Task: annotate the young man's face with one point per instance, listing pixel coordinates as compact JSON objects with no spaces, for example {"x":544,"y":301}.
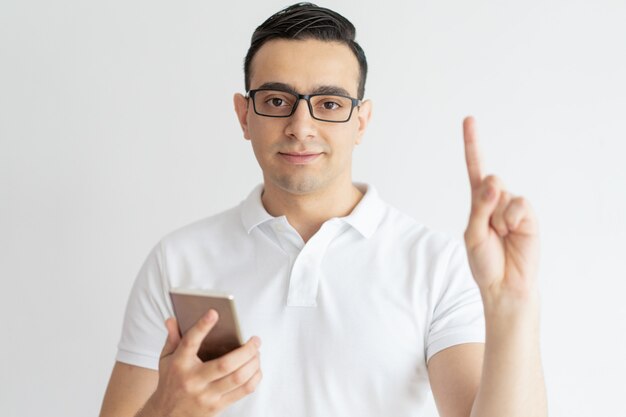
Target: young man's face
{"x":306,"y":66}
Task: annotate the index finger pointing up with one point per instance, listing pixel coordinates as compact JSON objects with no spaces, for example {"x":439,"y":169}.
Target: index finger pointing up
{"x":472,"y":154}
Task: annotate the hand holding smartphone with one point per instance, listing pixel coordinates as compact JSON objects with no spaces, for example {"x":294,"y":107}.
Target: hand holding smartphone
{"x":191,"y":305}
{"x":189,"y":387}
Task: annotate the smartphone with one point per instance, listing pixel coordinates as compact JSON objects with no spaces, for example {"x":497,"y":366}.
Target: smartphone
{"x":190,"y":305}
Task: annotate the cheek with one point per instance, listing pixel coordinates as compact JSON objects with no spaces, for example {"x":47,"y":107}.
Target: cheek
{"x":264,"y":138}
{"x":348,"y":135}
{"x":261,"y":134}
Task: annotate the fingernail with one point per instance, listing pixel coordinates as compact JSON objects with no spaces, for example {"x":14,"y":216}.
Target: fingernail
{"x":256,"y":341}
{"x":211,"y":316}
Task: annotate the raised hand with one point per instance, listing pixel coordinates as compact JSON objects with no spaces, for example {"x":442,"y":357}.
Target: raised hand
{"x":189,"y":387}
{"x":502,"y":233}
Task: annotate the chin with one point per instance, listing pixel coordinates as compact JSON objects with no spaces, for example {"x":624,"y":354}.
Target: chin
{"x":298,"y":185}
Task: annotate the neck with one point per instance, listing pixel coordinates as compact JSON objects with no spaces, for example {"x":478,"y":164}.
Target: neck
{"x":307,"y":212}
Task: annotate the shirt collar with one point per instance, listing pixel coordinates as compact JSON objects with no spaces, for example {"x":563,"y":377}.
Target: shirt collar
{"x":252,"y":211}
{"x":365,"y":217}
{"x":368,"y":214}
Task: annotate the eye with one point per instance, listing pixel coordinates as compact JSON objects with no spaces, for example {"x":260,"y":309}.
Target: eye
{"x":276,"y":102}
{"x":330,"y":105}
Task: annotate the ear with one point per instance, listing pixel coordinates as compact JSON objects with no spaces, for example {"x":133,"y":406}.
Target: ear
{"x":363,"y":116}
{"x":241,"y":108}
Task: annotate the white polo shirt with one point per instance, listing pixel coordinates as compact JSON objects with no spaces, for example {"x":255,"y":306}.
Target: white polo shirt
{"x":348,"y":320}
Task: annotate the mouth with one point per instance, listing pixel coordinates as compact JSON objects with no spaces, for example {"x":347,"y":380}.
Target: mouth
{"x":299,"y":158}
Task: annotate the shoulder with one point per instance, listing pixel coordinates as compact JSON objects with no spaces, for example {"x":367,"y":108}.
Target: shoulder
{"x":416,"y":236}
{"x":223,"y":225}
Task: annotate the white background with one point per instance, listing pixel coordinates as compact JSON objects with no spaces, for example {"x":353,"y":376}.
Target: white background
{"x":116,"y":127}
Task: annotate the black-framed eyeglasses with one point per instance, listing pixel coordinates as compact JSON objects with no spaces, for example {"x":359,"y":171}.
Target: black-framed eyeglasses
{"x":325,"y":107}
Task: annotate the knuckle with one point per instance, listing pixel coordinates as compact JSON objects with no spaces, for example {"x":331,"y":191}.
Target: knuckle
{"x":491,"y":179}
{"x":186,"y":342}
{"x":199,"y":401}
{"x":497,"y":225}
{"x":510,"y":219}
{"x":238,"y":377}
{"x":209,"y":403}
{"x":188,"y":385}
{"x":223,"y":365}
{"x":214,"y":408}
{"x":206,"y":403}
{"x":176,"y":368}
{"x":250,"y":386}
{"x":521,"y":201}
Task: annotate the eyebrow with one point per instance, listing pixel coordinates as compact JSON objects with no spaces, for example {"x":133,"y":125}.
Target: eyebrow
{"x":321,"y":89}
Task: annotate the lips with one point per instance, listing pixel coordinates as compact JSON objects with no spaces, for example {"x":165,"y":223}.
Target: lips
{"x":299,"y":157}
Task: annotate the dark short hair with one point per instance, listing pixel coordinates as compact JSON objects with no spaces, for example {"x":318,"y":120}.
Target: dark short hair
{"x":307,"y":21}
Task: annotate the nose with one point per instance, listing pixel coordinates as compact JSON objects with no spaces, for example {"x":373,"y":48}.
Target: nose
{"x":301,"y":125}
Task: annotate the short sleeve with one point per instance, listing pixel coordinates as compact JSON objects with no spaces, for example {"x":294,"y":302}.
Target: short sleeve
{"x":148,"y":306}
{"x":458,"y":315}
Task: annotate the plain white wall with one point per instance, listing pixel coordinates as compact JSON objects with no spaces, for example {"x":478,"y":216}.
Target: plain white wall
{"x":116,"y":127}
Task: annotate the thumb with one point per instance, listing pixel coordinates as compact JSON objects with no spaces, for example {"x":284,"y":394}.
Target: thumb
{"x":484,"y":203}
{"x":173,"y":337}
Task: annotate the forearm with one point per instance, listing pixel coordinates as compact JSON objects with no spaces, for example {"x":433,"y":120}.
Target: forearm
{"x":512,"y":382}
{"x":146,"y":411}
{"x":151,"y":409}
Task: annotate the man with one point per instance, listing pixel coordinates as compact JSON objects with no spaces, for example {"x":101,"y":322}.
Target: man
{"x":360,"y":308}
